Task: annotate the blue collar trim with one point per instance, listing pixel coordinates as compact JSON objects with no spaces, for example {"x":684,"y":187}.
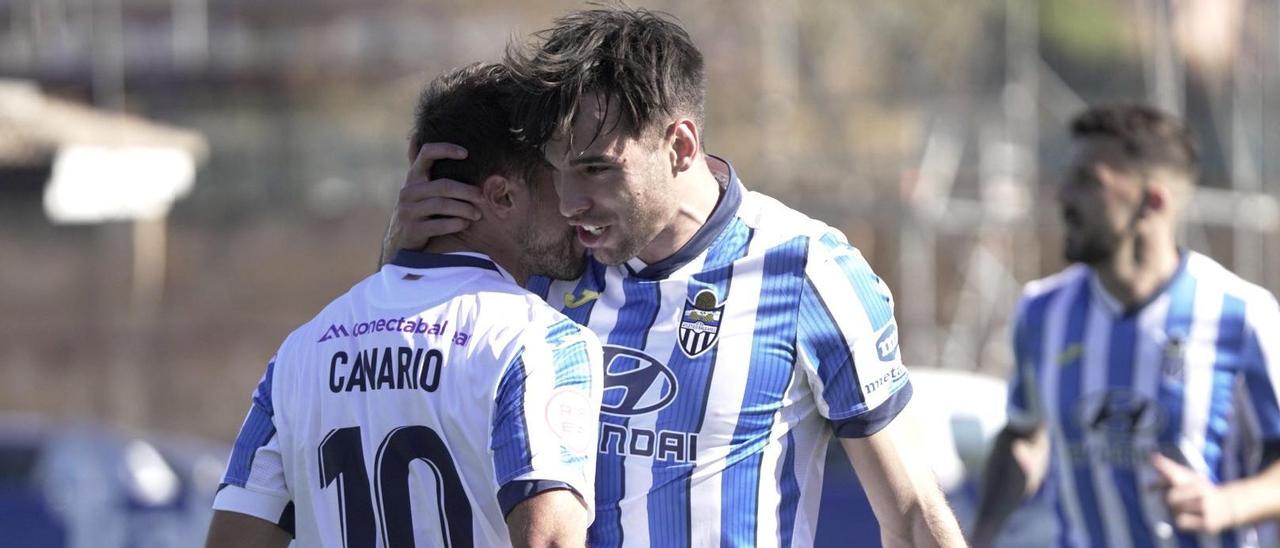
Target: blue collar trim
{"x":720,"y":218}
{"x":417,"y":259}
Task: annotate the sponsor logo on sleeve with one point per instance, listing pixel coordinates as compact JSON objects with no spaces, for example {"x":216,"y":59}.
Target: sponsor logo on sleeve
{"x":887,"y":344}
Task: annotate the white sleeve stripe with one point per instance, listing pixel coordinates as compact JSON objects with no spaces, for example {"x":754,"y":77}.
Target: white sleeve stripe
{"x":265,"y":506}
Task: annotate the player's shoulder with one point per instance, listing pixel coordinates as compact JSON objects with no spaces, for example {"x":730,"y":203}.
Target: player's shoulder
{"x":332,"y":320}
{"x":1056,"y":282}
{"x":1207,"y":270}
{"x":777,"y":223}
{"x":1258,"y":300}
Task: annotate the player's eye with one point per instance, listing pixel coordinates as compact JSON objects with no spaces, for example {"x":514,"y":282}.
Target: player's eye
{"x":596,"y":169}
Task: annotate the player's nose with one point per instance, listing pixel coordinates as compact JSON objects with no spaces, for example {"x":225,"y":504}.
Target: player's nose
{"x":572,"y":202}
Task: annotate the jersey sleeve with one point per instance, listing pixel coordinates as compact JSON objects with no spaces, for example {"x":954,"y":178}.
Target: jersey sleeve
{"x":847,"y":341}
{"x":547,"y":415}
{"x":254,"y":482}
{"x":1262,"y":372}
{"x":1023,"y":410}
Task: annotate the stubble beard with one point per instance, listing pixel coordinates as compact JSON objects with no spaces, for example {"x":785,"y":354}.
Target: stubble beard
{"x":555,"y":257}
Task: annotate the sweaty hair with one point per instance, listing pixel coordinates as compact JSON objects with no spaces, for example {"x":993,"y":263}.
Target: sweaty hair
{"x":1149,"y":137}
{"x":642,"y":60}
{"x":471,"y":107}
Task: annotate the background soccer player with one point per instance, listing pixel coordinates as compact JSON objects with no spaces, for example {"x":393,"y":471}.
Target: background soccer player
{"x":437,"y":402}
{"x":1143,"y":364}
{"x":738,"y":334}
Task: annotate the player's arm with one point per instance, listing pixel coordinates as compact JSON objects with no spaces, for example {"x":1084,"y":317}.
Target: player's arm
{"x":236,"y":530}
{"x":848,"y":346}
{"x":903,"y":491}
{"x":546,"y":423}
{"x":553,"y":518}
{"x":1019,"y":456}
{"x":427,"y":208}
{"x":254,"y":493}
{"x":1015,"y":469}
{"x":1195,"y":503}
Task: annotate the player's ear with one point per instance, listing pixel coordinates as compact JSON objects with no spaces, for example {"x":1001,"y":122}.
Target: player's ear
{"x":1156,"y":198}
{"x":499,"y":195}
{"x":683,"y":142}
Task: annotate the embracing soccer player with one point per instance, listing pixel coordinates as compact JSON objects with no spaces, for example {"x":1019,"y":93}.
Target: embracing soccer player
{"x":437,"y":403}
{"x":739,"y":335}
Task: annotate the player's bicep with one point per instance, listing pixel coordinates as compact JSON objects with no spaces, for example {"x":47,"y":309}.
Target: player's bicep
{"x":1261,"y":359}
{"x":848,"y":344}
{"x":238,"y":530}
{"x":254,"y":482}
{"x":551,"y":518}
{"x":546,"y":419}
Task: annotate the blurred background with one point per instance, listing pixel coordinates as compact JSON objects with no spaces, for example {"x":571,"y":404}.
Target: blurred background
{"x":182,"y":182}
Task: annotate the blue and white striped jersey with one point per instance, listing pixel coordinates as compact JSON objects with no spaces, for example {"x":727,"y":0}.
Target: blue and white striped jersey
{"x":727,"y":367}
{"x":1192,"y":373}
{"x":423,"y":405}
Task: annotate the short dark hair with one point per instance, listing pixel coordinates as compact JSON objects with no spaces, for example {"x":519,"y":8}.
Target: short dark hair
{"x":640,"y":58}
{"x":1150,"y":137}
{"x":471,"y":107}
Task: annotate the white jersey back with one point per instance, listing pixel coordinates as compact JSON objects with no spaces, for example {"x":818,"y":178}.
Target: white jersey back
{"x":420,"y":408}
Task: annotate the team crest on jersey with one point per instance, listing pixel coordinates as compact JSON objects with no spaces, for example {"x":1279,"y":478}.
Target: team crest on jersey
{"x":700,"y":325}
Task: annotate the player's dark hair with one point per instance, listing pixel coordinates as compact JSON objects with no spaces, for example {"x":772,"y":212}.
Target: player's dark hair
{"x":641,"y":59}
{"x":471,"y":107}
{"x":1150,"y":137}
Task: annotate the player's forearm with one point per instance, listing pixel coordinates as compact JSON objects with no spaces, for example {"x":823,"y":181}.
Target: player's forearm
{"x":1255,"y":498}
{"x":1006,"y":482}
{"x":901,"y":487}
{"x":931,"y":524}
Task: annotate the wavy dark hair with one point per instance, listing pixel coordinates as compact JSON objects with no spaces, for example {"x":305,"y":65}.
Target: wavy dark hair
{"x":642,"y":61}
{"x":1150,"y":137}
{"x":471,"y":107}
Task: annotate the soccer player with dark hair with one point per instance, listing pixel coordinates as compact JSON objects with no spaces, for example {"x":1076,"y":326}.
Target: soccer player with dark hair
{"x":437,"y":403}
{"x":1145,"y":387}
{"x":739,"y":335}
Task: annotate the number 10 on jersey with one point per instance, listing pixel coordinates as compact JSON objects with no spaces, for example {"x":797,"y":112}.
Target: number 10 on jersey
{"x":342,"y":467}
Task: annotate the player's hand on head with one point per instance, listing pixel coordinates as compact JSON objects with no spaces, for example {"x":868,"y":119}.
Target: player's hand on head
{"x":1195,"y":503}
{"x":430,"y":208}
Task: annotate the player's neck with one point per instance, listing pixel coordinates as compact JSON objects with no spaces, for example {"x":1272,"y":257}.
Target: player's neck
{"x":700,"y":194}
{"x":1140,"y":268}
{"x":475,"y":243}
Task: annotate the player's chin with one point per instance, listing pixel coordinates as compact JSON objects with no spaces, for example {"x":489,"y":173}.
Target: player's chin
{"x":568,"y":264}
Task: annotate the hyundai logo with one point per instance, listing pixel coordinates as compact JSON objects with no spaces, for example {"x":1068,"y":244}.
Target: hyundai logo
{"x":635,"y":383}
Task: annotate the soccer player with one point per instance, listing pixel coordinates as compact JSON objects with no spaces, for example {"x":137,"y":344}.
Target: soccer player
{"x":1144,"y":364}
{"x":738,"y":334}
{"x":438,"y":402}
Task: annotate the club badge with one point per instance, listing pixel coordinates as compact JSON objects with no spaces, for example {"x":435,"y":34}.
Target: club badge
{"x":700,"y":326}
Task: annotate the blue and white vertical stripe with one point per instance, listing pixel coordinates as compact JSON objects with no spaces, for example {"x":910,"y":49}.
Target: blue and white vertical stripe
{"x":1191,"y":374}
{"x":795,"y":354}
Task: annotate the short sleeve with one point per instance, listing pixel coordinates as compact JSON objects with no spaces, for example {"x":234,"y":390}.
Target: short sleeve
{"x":1261,"y":372}
{"x":847,"y":340}
{"x":254,"y":482}
{"x":547,"y":415}
{"x":1023,"y":410}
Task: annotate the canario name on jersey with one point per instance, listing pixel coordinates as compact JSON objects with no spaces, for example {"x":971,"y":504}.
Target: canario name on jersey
{"x":422,"y":406}
{"x":1192,"y":374}
{"x":727,"y":367}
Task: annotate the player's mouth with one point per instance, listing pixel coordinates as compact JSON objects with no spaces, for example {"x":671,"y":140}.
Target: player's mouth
{"x":591,"y":235}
